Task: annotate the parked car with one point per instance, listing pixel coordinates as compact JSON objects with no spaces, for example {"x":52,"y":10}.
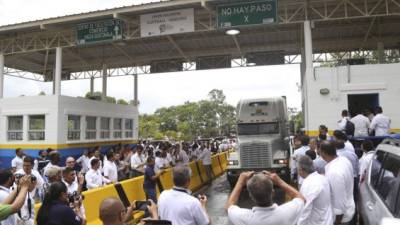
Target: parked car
{"x":380,"y":184}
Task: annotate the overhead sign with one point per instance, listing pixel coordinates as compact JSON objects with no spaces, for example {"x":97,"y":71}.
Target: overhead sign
{"x":165,"y":23}
{"x":247,"y":13}
{"x":105,"y":30}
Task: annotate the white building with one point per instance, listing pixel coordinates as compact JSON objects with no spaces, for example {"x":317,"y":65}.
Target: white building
{"x":332,"y":89}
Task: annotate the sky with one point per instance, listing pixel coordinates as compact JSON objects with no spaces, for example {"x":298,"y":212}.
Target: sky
{"x":155,"y":90}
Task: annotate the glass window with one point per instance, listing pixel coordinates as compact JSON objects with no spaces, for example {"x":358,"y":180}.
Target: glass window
{"x":385,"y":179}
{"x":91,"y":127}
{"x":128,"y":128}
{"x":105,"y":128}
{"x":74,"y":127}
{"x":15,"y":131}
{"x":117,"y":128}
{"x":36,"y":127}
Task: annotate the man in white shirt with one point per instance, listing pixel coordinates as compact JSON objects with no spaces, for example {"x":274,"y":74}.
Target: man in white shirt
{"x":301,"y":144}
{"x":27,"y":169}
{"x":96,"y":155}
{"x":84,"y":161}
{"x":138,"y":160}
{"x":339,"y":173}
{"x":316,"y":191}
{"x":54,"y":161}
{"x":260,"y":188}
{"x":206,"y":160}
{"x":73,"y":183}
{"x":179,"y":206}
{"x":110,"y":169}
{"x":6,"y":182}
{"x":342,"y":122}
{"x":93,"y":177}
{"x":341,"y":136}
{"x":17,"y":162}
{"x":361,"y":125}
{"x":380,"y":123}
{"x":368,"y":148}
{"x":161,"y":161}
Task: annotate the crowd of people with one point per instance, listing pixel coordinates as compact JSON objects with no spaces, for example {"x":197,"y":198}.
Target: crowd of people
{"x":58,"y":186}
{"x":326,"y":170}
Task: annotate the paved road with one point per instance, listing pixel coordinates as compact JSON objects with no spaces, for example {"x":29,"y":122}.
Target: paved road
{"x":218,"y":193}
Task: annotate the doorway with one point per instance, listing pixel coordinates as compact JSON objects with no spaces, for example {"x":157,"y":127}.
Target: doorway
{"x":359,"y":102}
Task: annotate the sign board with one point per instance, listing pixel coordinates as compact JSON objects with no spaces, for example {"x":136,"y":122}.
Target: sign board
{"x":165,"y":23}
{"x":247,"y":13}
{"x":105,"y":30}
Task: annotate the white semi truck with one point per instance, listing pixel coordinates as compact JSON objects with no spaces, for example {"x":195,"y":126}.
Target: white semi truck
{"x":263,"y":138}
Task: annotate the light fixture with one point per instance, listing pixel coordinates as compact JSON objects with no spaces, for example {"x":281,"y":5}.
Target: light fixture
{"x":232,"y":32}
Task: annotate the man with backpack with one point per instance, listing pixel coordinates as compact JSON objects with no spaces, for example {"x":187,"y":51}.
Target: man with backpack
{"x":345,"y":124}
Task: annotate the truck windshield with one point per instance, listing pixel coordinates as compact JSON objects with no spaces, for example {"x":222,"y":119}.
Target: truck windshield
{"x":258,"y":128}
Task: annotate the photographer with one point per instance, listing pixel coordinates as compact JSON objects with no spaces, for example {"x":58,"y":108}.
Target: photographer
{"x":11,"y":203}
{"x":55,"y":209}
{"x":260,"y":188}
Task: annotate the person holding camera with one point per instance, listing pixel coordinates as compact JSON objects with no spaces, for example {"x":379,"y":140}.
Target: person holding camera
{"x":260,"y":188}
{"x":11,"y":202}
{"x":56,"y":208}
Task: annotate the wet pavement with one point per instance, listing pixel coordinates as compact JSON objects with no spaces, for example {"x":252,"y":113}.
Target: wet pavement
{"x":218,"y":193}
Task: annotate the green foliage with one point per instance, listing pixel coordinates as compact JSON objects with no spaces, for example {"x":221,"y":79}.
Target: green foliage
{"x":122,"y":102}
{"x":206,"y":118}
{"x":97,"y":96}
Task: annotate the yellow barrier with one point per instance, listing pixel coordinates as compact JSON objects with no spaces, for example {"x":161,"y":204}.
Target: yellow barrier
{"x":92,"y":202}
{"x":224,"y":161}
{"x":215,"y":165}
{"x":134,"y":189}
{"x":166,"y":179}
{"x":195,"y":181}
{"x":202,"y":171}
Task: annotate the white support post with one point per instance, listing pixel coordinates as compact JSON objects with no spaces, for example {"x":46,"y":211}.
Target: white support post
{"x":104,"y":76}
{"x":381,"y":53}
{"x":91,"y":85}
{"x":309,"y":70}
{"x":135,"y":91}
{"x":1,"y":75}
{"x":57,"y":78}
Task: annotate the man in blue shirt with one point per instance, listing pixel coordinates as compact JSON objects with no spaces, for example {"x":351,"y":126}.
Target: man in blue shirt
{"x":150,"y":179}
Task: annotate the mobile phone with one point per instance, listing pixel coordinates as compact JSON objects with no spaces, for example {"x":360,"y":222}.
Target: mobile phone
{"x":141,"y":205}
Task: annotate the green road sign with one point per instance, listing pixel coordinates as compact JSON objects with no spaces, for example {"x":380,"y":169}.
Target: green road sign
{"x":105,"y":30}
{"x":247,"y":13}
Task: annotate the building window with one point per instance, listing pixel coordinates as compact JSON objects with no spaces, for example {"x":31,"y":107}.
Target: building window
{"x":74,"y":127}
{"x":105,"y":128}
{"x":91,"y":127}
{"x":36,"y":128}
{"x":117,"y":128}
{"x":15,"y":131}
{"x":128,"y":128}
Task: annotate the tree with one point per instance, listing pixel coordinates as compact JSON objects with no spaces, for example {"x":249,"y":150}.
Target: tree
{"x":42,"y":93}
{"x":122,"y":102}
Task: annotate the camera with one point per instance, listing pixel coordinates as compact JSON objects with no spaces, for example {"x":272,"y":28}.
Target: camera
{"x":18,"y":176}
{"x":72,"y":198}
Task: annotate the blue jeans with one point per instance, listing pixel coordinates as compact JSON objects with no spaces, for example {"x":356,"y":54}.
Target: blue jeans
{"x":151,"y":194}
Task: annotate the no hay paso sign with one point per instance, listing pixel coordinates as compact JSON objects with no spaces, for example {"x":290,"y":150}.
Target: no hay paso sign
{"x":247,"y":13}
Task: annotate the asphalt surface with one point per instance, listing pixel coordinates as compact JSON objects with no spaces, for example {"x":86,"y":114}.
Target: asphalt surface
{"x":217,"y":195}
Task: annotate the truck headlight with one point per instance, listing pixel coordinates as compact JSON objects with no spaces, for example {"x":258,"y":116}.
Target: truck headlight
{"x":233,"y":162}
{"x":281,"y":161}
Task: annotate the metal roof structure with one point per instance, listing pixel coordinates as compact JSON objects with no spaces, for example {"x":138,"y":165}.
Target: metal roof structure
{"x":354,"y":26}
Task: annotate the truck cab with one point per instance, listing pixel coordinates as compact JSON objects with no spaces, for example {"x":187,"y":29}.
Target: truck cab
{"x":263,"y":138}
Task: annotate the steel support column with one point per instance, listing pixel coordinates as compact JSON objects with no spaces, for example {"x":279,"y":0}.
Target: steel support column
{"x":57,"y":78}
{"x":91,"y":85}
{"x":104,"y":76}
{"x":135,"y":91}
{"x":381,"y":52}
{"x":1,"y":74}
{"x":309,"y":70}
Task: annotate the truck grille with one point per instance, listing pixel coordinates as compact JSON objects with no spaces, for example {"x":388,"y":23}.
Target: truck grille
{"x":255,"y":155}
